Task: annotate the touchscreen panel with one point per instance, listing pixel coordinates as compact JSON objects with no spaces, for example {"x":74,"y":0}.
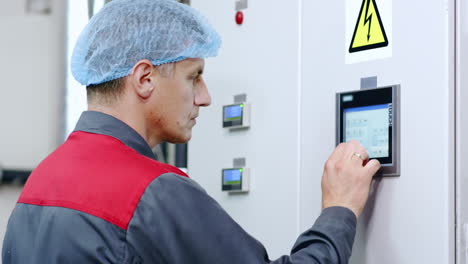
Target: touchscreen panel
{"x":370,"y":126}
{"x":371,"y":117}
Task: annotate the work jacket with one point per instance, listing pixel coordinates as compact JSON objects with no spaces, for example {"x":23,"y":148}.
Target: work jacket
{"x":101,"y":197}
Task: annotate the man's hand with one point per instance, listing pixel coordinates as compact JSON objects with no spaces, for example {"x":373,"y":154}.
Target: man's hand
{"x":347,"y":177}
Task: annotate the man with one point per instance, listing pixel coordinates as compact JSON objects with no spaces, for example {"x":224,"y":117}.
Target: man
{"x":102,"y":197}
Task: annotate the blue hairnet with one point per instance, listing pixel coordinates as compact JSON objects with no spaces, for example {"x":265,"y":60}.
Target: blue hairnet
{"x":126,"y":31}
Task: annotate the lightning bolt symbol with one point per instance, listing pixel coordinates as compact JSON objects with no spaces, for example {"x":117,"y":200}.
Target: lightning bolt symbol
{"x":368,"y":19}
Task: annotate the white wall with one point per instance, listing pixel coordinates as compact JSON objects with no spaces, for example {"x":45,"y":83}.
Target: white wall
{"x":462,"y":131}
{"x":76,"y":101}
{"x":32,"y":73}
{"x":409,"y":219}
{"x":32,"y":70}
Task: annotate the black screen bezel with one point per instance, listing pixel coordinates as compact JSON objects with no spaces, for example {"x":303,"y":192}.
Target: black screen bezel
{"x":369,"y":98}
{"x":233,"y":123}
{"x":232,"y":187}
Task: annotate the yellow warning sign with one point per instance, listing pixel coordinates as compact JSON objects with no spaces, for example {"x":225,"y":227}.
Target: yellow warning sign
{"x":369,"y":32}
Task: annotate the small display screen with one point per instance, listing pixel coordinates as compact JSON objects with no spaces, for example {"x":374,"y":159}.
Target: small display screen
{"x":232,"y":177}
{"x":370,"y":126}
{"x":233,"y":112}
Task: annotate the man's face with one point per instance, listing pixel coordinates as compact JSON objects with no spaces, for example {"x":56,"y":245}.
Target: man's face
{"x":175,"y":102}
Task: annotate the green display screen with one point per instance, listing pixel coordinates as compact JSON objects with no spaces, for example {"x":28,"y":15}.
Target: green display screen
{"x":232,"y":177}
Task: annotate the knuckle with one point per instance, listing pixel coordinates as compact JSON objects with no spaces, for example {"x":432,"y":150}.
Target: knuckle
{"x":364,"y":152}
{"x":339,"y":166}
{"x":362,"y":149}
{"x":340,"y":146}
{"x":329,"y":165}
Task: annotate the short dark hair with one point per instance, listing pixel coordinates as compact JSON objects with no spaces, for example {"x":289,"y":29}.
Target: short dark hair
{"x":107,"y":92}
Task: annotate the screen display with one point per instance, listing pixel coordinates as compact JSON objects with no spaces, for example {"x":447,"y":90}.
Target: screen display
{"x":232,"y":177}
{"x":233,"y":112}
{"x":370,"y":126}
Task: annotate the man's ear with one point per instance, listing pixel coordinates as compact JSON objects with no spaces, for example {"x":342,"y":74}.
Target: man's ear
{"x":141,"y":78}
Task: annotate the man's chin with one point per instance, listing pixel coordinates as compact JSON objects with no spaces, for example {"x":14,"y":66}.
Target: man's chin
{"x":180,"y":139}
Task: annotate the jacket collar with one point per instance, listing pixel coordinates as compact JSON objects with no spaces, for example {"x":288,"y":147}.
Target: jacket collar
{"x":104,"y":124}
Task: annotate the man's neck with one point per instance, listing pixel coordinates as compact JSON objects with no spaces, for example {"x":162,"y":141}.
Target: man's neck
{"x":130,"y":117}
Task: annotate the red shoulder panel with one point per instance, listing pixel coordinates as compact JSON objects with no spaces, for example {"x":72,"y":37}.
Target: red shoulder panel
{"x":95,"y":174}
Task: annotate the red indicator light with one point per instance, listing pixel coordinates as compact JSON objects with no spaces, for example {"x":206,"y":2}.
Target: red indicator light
{"x":239,"y":18}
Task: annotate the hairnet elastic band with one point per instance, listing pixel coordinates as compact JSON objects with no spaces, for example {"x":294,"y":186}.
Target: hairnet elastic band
{"x":121,"y":74}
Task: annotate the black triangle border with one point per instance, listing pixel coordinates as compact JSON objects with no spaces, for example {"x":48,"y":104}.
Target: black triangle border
{"x":372,"y":46}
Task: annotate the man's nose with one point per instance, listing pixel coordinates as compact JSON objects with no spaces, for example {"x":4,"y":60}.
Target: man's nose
{"x":202,"y":97}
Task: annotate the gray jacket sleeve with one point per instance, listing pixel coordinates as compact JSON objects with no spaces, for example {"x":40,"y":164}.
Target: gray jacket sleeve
{"x":176,"y":221}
